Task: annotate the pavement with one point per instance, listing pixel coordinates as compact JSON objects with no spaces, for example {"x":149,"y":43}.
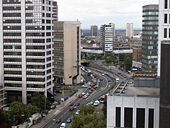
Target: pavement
{"x":57,"y":110}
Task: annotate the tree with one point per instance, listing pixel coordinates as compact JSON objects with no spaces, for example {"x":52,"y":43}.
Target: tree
{"x":40,"y":101}
{"x":19,"y":112}
{"x":128,"y":61}
{"x":88,"y":118}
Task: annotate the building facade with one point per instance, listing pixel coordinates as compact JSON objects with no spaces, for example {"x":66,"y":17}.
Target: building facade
{"x":137,"y":52}
{"x":150,"y":38}
{"x":164,"y":85}
{"x":107,"y":36}
{"x":67,"y":41}
{"x":164,"y":62}
{"x":2,"y":97}
{"x":129,"y":30}
{"x":26,"y":47}
{"x":94,"y":30}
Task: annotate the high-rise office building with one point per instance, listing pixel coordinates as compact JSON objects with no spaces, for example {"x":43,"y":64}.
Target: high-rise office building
{"x":26,"y":47}
{"x":67,"y":38}
{"x":150,"y":38}
{"x":164,"y":62}
{"x":94,"y":30}
{"x":107,"y":36}
{"x":129,"y":30}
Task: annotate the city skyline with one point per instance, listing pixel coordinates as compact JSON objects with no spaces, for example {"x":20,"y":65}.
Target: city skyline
{"x":103,"y":12}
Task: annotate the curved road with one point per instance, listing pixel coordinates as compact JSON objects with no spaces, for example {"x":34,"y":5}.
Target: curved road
{"x":65,"y":113}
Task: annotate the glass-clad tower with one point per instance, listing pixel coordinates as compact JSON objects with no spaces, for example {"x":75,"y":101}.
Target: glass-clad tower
{"x":150,"y":38}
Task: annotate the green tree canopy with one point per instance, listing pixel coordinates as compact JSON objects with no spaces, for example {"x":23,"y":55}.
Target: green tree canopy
{"x":40,"y":101}
{"x":88,"y":118}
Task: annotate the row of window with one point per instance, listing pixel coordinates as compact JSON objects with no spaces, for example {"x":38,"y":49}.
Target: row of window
{"x":27,"y":34}
{"x":28,"y":59}
{"x":26,"y":14}
{"x":27,"y":2}
{"x":28,"y":66}
{"x":28,"y":85}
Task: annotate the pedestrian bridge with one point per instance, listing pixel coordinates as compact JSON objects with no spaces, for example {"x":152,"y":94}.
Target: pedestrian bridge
{"x":98,"y":51}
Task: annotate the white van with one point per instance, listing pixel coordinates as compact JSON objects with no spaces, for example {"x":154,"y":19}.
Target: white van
{"x":63,"y":125}
{"x":117,"y":79}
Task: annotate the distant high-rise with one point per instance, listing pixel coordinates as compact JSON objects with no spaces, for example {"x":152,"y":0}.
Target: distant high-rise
{"x":94,"y":30}
{"x":26,"y":36}
{"x":107,"y":36}
{"x":150,"y":38}
{"x":67,"y":38}
{"x":129,"y":30}
{"x":164,"y":62}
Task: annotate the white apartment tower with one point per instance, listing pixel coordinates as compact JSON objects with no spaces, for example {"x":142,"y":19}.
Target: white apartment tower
{"x":129,"y":30}
{"x":26,"y":41}
{"x":107,"y":36}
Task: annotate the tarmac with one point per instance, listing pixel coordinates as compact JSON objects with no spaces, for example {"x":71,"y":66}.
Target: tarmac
{"x":56,"y":111}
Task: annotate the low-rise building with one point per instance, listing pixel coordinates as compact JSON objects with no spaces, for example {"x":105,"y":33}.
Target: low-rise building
{"x":136,"y":108}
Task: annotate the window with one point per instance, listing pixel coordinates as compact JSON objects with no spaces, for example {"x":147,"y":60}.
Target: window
{"x":165,"y":32}
{"x":166,"y":4}
{"x":165,"y":18}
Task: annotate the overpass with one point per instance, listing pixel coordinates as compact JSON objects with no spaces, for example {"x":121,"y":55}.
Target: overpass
{"x":100,"y":51}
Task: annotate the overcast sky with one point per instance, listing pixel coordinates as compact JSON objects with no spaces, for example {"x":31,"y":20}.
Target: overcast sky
{"x":98,"y":12}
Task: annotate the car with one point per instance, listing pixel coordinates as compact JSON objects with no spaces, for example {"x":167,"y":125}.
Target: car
{"x":83,"y":93}
{"x":78,"y":104}
{"x":103,"y":74}
{"x":71,"y":108}
{"x":96,"y":103}
{"x":77,"y":112}
{"x":85,"y":96}
{"x":80,"y":95}
{"x":58,"y":121}
{"x":117,"y":79}
{"x":69,"y":120}
{"x":62,"y":99}
{"x":90,"y":91}
{"x":63,"y":125}
{"x":71,"y":104}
